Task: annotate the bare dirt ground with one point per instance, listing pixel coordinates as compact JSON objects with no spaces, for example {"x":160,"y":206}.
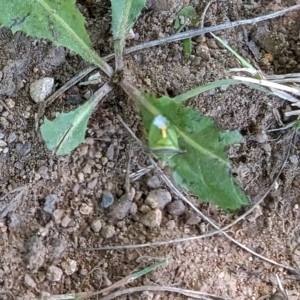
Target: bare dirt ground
{"x":41,"y":250}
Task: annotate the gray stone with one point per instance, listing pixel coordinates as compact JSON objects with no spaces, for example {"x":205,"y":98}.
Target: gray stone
{"x":65,"y":221}
{"x":69,"y":266}
{"x":176,"y":208}
{"x":152,"y":219}
{"x":50,"y":202}
{"x":2,"y":143}
{"x":58,"y":214}
{"x":120,"y":209}
{"x":107,"y":199}
{"x":40,"y":89}
{"x":11,"y":138}
{"x":108,"y":231}
{"x":23,"y":149}
{"x":154,"y":182}
{"x":294,"y":159}
{"x":96,"y":225}
{"x":192,"y":219}
{"x":158,"y":199}
{"x":54,"y":273}
{"x":171,"y":224}
{"x":29,"y":281}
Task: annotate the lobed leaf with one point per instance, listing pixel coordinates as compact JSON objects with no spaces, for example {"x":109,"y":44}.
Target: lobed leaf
{"x":203,"y":168}
{"x":56,"y":20}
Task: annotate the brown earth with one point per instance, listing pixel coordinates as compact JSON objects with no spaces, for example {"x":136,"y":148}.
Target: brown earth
{"x":33,"y":240}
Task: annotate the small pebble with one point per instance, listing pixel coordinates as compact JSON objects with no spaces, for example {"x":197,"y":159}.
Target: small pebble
{"x":294,"y":159}
{"x":29,"y":281}
{"x":154,"y":182}
{"x":108,"y":231}
{"x":107,"y":199}
{"x":54,"y":273}
{"x":24,"y":149}
{"x":193,"y":219}
{"x":158,"y":199}
{"x":5,"y":150}
{"x":10,"y":103}
{"x":15,"y":220}
{"x":2,"y":135}
{"x":170,"y":224}
{"x":69,"y":266}
{"x":65,"y":221}
{"x":267,"y":147}
{"x":92,"y":184}
{"x":96,"y":225}
{"x":85,"y":209}
{"x":152,"y":219}
{"x":50,"y":202}
{"x":43,"y":231}
{"x":11,"y":138}
{"x":262,"y":137}
{"x":120,"y":209}
{"x":83,"y":272}
{"x":57,"y":215}
{"x":2,"y":143}
{"x":40,"y":89}
{"x":133,"y":209}
{"x":176,"y":208}
{"x":110,"y":152}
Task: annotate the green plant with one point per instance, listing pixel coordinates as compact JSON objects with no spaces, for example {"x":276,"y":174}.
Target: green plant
{"x":186,"y":16}
{"x":190,"y":143}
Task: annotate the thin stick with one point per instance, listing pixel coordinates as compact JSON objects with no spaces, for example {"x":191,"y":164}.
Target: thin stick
{"x":154,"y":288}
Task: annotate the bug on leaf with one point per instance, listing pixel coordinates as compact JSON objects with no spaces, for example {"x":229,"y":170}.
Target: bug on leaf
{"x":163,"y":139}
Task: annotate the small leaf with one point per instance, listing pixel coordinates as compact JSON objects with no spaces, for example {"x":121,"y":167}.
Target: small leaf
{"x":124,"y":14}
{"x":186,"y":16}
{"x":203,"y":168}
{"x":67,"y":131}
{"x":187,"y":47}
{"x":56,"y":20}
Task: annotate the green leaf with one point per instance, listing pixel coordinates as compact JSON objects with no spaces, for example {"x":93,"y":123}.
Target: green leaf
{"x":56,"y":20}
{"x":203,"y":168}
{"x":124,"y":14}
{"x":186,"y":16}
{"x":187,"y":47}
{"x":67,"y":131}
